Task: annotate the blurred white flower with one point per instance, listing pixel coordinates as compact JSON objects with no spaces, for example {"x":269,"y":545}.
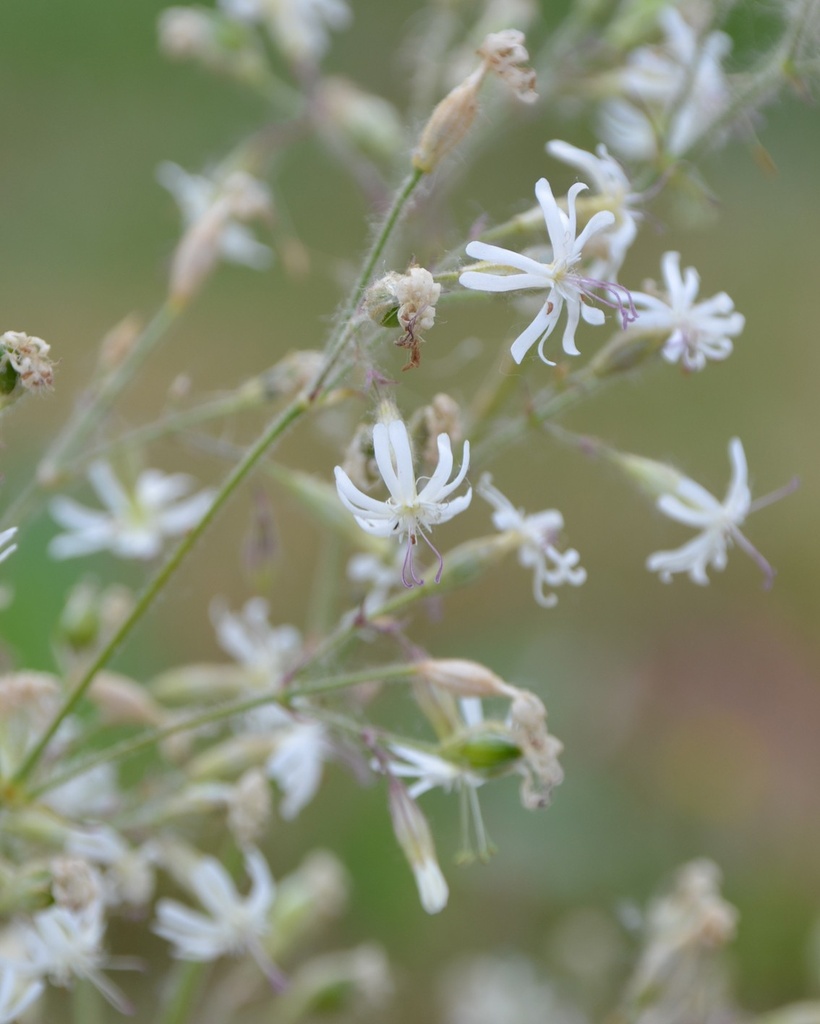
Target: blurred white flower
{"x":612,"y":188}
{"x":5,"y":547}
{"x":135,"y":523}
{"x":296,"y":763}
{"x":672,"y":92}
{"x":247,"y":635}
{"x":301,"y":28}
{"x":18,"y":990}
{"x":698,"y":331}
{"x":719,"y":523}
{"x":59,"y":944}
{"x":537,"y":551}
{"x":232,"y":925}
{"x":561,"y":277}
{"x":408,"y":511}
{"x":429,"y":770}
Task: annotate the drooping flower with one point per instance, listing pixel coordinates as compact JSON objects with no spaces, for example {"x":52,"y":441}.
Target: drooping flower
{"x":698,"y":331}
{"x":563,"y":278}
{"x":613,"y":190}
{"x":136,"y":522}
{"x":719,"y":523}
{"x":232,"y":924}
{"x":408,"y":512}
{"x":413,"y":835}
{"x":537,"y":535}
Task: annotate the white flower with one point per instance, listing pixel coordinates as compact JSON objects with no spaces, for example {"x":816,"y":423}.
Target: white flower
{"x":297,"y":761}
{"x":5,"y":548}
{"x":18,"y":991}
{"x":537,"y":551}
{"x":300,"y":27}
{"x":59,"y":944}
{"x":561,"y":277}
{"x":429,"y":770}
{"x":408,"y":511}
{"x":718,"y":522}
{"x":249,"y":638}
{"x":674,"y":90}
{"x":697,"y":331}
{"x":378,"y":576}
{"x":197,"y":196}
{"x":232,"y":925}
{"x":612,"y":187}
{"x":135,"y":523}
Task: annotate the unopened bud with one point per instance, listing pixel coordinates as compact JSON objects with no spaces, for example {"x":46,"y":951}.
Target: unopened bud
{"x":464,"y":678}
{"x":74,"y":883}
{"x":654,"y":478}
{"x":232,"y":757}
{"x":121,"y":701}
{"x":449,"y":123}
{"x":413,"y":835}
{"x":368,"y":122}
{"x":306,"y":899}
{"x":486,"y":751}
{"x":250,"y":807}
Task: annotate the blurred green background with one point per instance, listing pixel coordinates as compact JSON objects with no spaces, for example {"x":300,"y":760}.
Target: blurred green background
{"x":690,"y":716}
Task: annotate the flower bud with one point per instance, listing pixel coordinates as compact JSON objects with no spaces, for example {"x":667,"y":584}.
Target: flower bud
{"x":250,"y":807}
{"x":448,"y":124}
{"x":367,"y":122}
{"x":654,"y":478}
{"x":306,"y":899}
{"x":485,"y":750}
{"x":122,"y":701}
{"x":75,"y":884}
{"x":414,"y":837}
{"x":463,"y":678}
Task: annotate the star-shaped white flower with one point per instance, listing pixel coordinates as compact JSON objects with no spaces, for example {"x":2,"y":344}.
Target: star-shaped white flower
{"x":537,"y":551}
{"x":719,"y":523}
{"x":612,"y":187}
{"x":698,"y":331}
{"x":408,"y":512}
{"x":59,"y":944}
{"x":565,"y":284}
{"x":135,"y":523}
{"x":232,"y":925}
{"x":197,"y":195}
{"x":252,"y":641}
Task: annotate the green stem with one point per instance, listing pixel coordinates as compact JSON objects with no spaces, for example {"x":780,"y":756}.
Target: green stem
{"x":189,"y":982}
{"x":86,"y":1005}
{"x":135,"y":744}
{"x":271,"y":434}
{"x":338,"y":341}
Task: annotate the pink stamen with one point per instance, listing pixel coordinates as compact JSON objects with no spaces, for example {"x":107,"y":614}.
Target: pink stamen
{"x":438,"y":555}
{"x":621,"y":298}
{"x":768,"y":571}
{"x":781,"y":492}
{"x":408,"y":565}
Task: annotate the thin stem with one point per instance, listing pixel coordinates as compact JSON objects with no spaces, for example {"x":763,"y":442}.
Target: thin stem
{"x":154,"y":587}
{"x":338,"y":341}
{"x":189,"y":982}
{"x":135,"y":744}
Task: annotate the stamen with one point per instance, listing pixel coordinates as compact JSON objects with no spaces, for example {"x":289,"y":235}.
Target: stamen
{"x":781,"y":492}
{"x":438,"y":555}
{"x":768,"y":571}
{"x":621,"y":298}
{"x":408,"y":565}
